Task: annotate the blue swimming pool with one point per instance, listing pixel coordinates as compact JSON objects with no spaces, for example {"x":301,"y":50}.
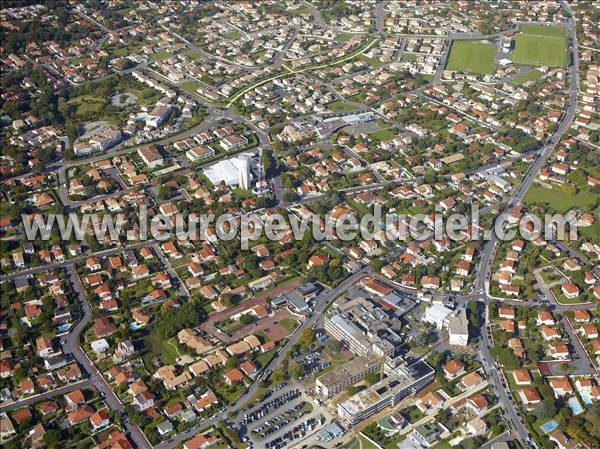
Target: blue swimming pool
{"x":587,"y":399}
{"x":135,"y":326}
{"x":63,"y":328}
{"x":549,"y":426}
{"x":575,"y":405}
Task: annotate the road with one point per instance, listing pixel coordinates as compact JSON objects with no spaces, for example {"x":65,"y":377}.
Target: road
{"x":71,"y":346}
{"x":322,"y":302}
{"x":29,"y":401}
{"x":183,"y":291}
{"x":481,"y":282}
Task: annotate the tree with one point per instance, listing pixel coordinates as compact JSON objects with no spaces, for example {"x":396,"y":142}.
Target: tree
{"x":165,"y":192}
{"x":545,"y":409}
{"x":505,"y":357}
{"x":296,"y":370}
{"x":52,"y":438}
{"x":307,"y":338}
{"x":278,"y":375}
{"x":246,"y":319}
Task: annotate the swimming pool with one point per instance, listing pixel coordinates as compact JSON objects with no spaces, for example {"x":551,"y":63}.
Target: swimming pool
{"x":575,"y":405}
{"x":587,"y":399}
{"x":135,"y":326}
{"x":549,"y":426}
{"x":64,"y":327}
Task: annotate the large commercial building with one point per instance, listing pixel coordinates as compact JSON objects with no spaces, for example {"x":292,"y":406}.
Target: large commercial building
{"x":365,"y":327}
{"x":400,"y":381}
{"x":335,"y":381}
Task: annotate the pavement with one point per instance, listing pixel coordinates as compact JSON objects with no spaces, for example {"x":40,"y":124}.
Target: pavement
{"x":71,"y":346}
{"x":72,"y":340}
{"x":31,"y":400}
{"x":488,"y":253}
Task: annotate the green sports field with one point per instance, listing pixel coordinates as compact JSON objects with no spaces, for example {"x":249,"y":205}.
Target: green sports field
{"x":541,"y":45}
{"x":472,"y":57}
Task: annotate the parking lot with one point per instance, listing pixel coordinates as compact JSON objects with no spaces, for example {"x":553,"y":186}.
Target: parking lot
{"x":284,"y":416}
{"x":301,"y":430}
{"x":313,"y":362}
{"x":270,"y":405}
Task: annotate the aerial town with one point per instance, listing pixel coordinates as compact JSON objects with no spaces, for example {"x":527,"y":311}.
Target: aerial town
{"x":128,"y":111}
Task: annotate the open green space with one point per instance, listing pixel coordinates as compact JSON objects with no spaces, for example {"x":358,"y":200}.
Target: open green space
{"x":165,"y":350}
{"x":289,"y":324}
{"x":543,"y":30}
{"x":190,"y":86}
{"x":472,"y":56}
{"x":126,"y":50}
{"x":541,"y":45}
{"x":159,"y":55}
{"x":383,"y":134}
{"x":340,"y":106}
{"x":88,"y":104}
{"x":193,"y":55}
{"x":233,"y":35}
{"x":366,"y":444}
{"x":558,"y":199}
{"x":528,"y":76}
{"x":344,"y":37}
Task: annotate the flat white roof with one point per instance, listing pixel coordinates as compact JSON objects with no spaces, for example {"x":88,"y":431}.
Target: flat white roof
{"x":227,"y":170}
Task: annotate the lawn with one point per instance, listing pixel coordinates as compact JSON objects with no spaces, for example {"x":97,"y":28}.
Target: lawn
{"x":289,"y":324}
{"x":340,"y":106}
{"x":366,"y":444}
{"x":383,"y":134}
{"x":88,"y":104}
{"x":193,"y":55}
{"x":541,"y":45}
{"x":472,"y":56}
{"x":165,"y":350}
{"x":559,"y":200}
{"x":344,"y":37}
{"x":528,"y":76}
{"x":190,"y":86}
{"x":232,"y":35}
{"x":126,"y":50}
{"x":159,"y":55}
{"x":543,"y":30}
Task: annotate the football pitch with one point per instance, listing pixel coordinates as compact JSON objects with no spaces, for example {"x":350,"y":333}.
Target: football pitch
{"x":472,"y":57}
{"x":541,"y":45}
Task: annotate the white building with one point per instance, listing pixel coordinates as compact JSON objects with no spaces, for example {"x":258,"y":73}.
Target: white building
{"x":436,"y":314}
{"x":158,"y":115}
{"x":100,"y":139}
{"x":151,"y":156}
{"x":458,"y":328}
{"x":228,"y":170}
{"x":244,"y":174}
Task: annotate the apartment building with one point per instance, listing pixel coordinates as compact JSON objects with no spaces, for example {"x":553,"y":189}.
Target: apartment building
{"x":335,"y":381}
{"x":400,"y":381}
